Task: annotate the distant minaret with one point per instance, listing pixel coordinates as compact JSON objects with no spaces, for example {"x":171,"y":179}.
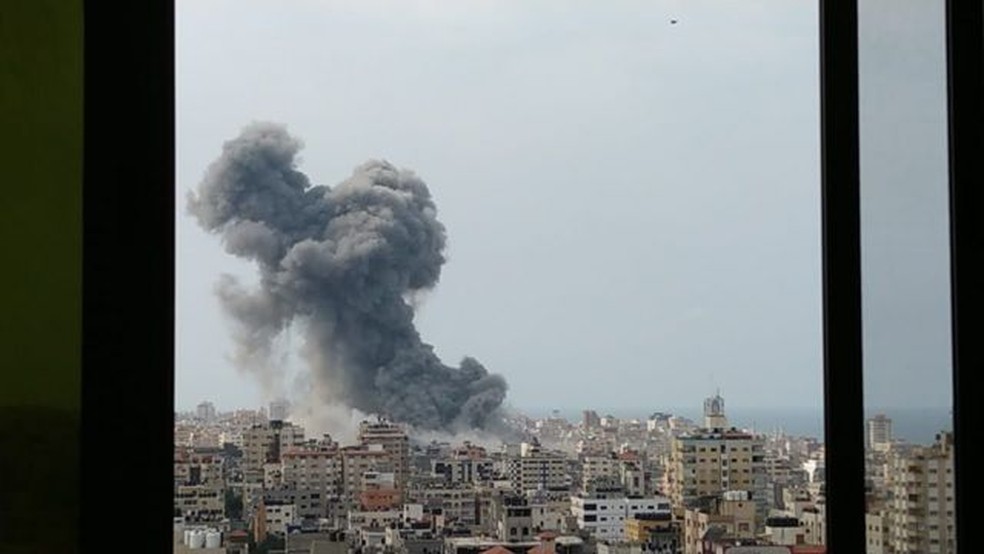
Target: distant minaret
{"x":714,"y":417}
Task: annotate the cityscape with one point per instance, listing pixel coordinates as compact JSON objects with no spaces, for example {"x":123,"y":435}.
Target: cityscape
{"x":254,"y":481}
{"x":429,"y":214}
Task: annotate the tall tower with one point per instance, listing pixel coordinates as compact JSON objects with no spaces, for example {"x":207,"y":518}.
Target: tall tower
{"x":714,"y":413}
{"x":879,"y":432}
{"x":394,"y":441}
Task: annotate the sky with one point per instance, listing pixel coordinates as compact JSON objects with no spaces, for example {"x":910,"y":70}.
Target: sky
{"x":632,"y":206}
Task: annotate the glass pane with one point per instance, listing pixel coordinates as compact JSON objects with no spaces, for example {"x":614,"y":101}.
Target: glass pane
{"x":613,"y":206}
{"x":905,"y":275}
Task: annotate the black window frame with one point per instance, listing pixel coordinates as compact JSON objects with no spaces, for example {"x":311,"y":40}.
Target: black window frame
{"x":128,"y":267}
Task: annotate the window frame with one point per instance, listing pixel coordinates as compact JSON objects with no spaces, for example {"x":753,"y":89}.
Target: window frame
{"x":128,"y":173}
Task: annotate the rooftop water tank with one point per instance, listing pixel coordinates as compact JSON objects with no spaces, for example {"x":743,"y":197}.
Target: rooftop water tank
{"x":197,"y":539}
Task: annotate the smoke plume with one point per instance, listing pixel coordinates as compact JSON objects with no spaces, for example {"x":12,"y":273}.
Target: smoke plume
{"x":344,"y":264}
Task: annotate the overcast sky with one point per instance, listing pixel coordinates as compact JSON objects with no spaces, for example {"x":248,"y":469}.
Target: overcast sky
{"x":632,"y":206}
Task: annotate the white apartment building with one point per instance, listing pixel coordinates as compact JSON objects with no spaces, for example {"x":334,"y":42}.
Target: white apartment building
{"x":536,"y":468}
{"x":459,"y":503}
{"x":463,"y":470}
{"x":876,"y":531}
{"x":279,"y":517}
{"x":604,"y":515}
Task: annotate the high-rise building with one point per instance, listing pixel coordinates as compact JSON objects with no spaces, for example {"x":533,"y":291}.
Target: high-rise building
{"x":536,"y":468}
{"x":920,"y":513}
{"x":279,"y":410}
{"x":394,"y":441}
{"x":316,"y":466}
{"x":591,"y":419}
{"x":357,"y":461}
{"x":879,"y":433}
{"x":205,"y":411}
{"x":264,"y":443}
{"x":712,"y":460}
{"x":192,"y":468}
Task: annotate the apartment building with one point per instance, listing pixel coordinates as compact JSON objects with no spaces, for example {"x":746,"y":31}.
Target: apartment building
{"x":596,"y":468}
{"x":394,"y":441}
{"x":715,"y":459}
{"x":196,"y":468}
{"x":537,"y":468}
{"x":920,"y":511}
{"x":315,"y":466}
{"x":604,"y":514}
{"x":199,"y":503}
{"x":879,"y":433}
{"x":876,"y":531}
{"x":731,"y":514}
{"x":264,"y":443}
{"x":463,"y":469}
{"x":356,"y":462}
{"x":458,"y":503}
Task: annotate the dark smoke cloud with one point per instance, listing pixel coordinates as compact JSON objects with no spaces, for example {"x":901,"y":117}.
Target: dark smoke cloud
{"x":344,"y":262}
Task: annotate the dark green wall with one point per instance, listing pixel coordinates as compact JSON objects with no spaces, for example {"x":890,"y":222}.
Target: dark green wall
{"x":41,"y":202}
{"x":40,"y":273}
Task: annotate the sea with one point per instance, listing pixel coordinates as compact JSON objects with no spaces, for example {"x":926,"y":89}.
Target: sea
{"x":913,"y":425}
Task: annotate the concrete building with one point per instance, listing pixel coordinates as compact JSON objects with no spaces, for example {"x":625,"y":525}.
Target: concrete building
{"x":590,"y":419}
{"x":596,"y":468}
{"x":712,"y":460}
{"x":732,"y":513}
{"x":264,"y":443}
{"x":280,"y":516}
{"x":394,"y":441}
{"x":603,"y":515}
{"x":197,"y":468}
{"x":379,"y":492}
{"x":356,"y":462}
{"x":655,"y":533}
{"x":512,"y":518}
{"x":315,"y":466}
{"x":537,"y":468}
{"x":879,"y":435}
{"x":876,"y":531}
{"x":279,"y":410}
{"x":464,"y":466}
{"x":921,"y":510}
{"x":785,"y":531}
{"x":205,"y":412}
{"x":814,"y":520}
{"x":461,"y":503}
{"x":199,"y":503}
{"x":309,"y":504}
